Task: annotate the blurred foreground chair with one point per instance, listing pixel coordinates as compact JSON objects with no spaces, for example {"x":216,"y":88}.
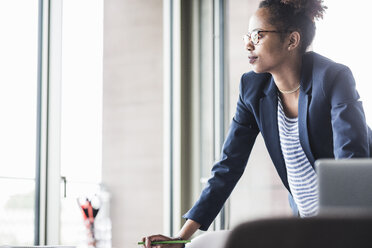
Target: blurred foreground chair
{"x":316,"y":232}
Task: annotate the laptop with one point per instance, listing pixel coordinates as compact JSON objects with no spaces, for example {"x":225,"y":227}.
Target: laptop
{"x":345,"y":186}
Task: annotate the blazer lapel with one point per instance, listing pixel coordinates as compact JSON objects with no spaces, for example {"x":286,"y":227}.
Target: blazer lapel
{"x":270,"y":131}
{"x":303,"y":105}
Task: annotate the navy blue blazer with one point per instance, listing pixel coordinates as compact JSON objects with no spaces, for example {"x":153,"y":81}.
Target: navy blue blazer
{"x":331,"y":124}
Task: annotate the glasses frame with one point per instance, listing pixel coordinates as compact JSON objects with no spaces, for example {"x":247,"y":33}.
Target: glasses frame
{"x":248,"y":37}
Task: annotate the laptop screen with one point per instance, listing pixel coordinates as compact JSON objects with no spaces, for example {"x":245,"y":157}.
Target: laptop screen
{"x":345,"y":185}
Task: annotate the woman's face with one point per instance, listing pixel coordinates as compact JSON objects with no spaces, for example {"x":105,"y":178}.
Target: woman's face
{"x":271,"y":52}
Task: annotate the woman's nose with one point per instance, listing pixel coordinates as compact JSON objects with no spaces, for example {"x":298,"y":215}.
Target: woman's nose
{"x":249,"y":46}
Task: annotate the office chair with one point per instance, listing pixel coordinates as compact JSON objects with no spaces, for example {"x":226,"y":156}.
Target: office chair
{"x":316,"y":232}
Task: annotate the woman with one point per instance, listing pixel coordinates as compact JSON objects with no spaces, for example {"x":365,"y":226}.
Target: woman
{"x":305,"y":106}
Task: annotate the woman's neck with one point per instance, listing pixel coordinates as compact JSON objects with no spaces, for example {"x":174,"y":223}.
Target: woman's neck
{"x":288,"y":76}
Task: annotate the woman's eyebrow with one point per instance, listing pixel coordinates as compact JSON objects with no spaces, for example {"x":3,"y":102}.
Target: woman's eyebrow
{"x":256,"y":29}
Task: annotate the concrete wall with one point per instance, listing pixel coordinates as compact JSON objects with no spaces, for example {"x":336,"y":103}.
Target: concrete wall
{"x":133,"y":117}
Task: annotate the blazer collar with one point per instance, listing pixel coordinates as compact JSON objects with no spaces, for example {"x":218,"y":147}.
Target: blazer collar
{"x":270,"y":88}
{"x":307,"y":72}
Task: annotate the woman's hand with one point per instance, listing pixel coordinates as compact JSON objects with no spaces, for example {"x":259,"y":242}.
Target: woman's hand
{"x":188,"y":229}
{"x":160,"y":237}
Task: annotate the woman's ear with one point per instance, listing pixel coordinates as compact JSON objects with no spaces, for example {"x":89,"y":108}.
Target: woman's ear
{"x":294,"y":40}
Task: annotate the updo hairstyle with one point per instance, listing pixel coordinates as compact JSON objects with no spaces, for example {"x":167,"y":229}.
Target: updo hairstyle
{"x":295,"y":15}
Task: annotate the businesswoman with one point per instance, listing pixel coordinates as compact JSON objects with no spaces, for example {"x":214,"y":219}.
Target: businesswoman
{"x":305,"y":106}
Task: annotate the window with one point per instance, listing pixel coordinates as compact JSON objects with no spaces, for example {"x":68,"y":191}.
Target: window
{"x":70,"y":113}
{"x":81,"y":111}
{"x":18,"y":100}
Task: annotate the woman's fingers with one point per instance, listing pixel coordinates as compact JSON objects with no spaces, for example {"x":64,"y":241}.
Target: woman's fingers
{"x":144,"y":240}
{"x":148,"y":242}
{"x":152,"y":238}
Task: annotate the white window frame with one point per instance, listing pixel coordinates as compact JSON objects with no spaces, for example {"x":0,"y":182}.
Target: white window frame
{"x":48,"y":163}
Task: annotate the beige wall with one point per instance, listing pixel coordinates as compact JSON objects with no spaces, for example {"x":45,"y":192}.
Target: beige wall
{"x":133,"y":117}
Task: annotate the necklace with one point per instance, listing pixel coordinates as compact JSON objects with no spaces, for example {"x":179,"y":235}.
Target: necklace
{"x":290,"y":91}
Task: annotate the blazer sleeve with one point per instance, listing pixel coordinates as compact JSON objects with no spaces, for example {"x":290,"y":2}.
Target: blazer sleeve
{"x":350,"y":131}
{"x":226,"y":173}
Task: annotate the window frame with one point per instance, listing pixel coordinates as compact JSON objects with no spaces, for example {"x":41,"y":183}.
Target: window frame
{"x":47,"y":193}
{"x":183,"y":98}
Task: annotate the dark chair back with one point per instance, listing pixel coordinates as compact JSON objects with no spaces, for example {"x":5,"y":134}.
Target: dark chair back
{"x":317,"y":232}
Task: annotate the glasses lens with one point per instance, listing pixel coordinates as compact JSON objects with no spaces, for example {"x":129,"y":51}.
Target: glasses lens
{"x":255,"y":37}
{"x":246,"y":39}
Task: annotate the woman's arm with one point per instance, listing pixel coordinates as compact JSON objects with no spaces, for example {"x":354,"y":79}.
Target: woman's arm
{"x":188,"y":229}
{"x":350,"y":131}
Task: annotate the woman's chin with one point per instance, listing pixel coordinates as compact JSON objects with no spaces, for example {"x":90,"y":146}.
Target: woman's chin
{"x":257,"y":69}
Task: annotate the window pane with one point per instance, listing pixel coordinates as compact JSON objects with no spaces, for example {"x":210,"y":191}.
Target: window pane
{"x":17,"y":211}
{"x":81,"y":125}
{"x":18,"y":101}
{"x":206,"y":91}
{"x":18,"y":87}
{"x":81,"y":106}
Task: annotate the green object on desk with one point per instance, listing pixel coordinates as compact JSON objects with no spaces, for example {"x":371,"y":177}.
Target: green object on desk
{"x":167,"y":242}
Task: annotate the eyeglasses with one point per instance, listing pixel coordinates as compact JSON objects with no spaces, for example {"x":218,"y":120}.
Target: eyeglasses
{"x":255,"y":36}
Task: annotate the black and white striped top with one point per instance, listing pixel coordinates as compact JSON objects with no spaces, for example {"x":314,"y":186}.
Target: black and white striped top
{"x":302,"y":178}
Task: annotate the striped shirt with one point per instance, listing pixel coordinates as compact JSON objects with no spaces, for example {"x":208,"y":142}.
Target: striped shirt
{"x":301,"y":175}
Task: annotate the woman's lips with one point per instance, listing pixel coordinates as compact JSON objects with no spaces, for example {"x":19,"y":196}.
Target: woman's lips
{"x":252,"y":59}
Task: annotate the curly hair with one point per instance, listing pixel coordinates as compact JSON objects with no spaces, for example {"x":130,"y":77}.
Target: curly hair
{"x":295,"y":15}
